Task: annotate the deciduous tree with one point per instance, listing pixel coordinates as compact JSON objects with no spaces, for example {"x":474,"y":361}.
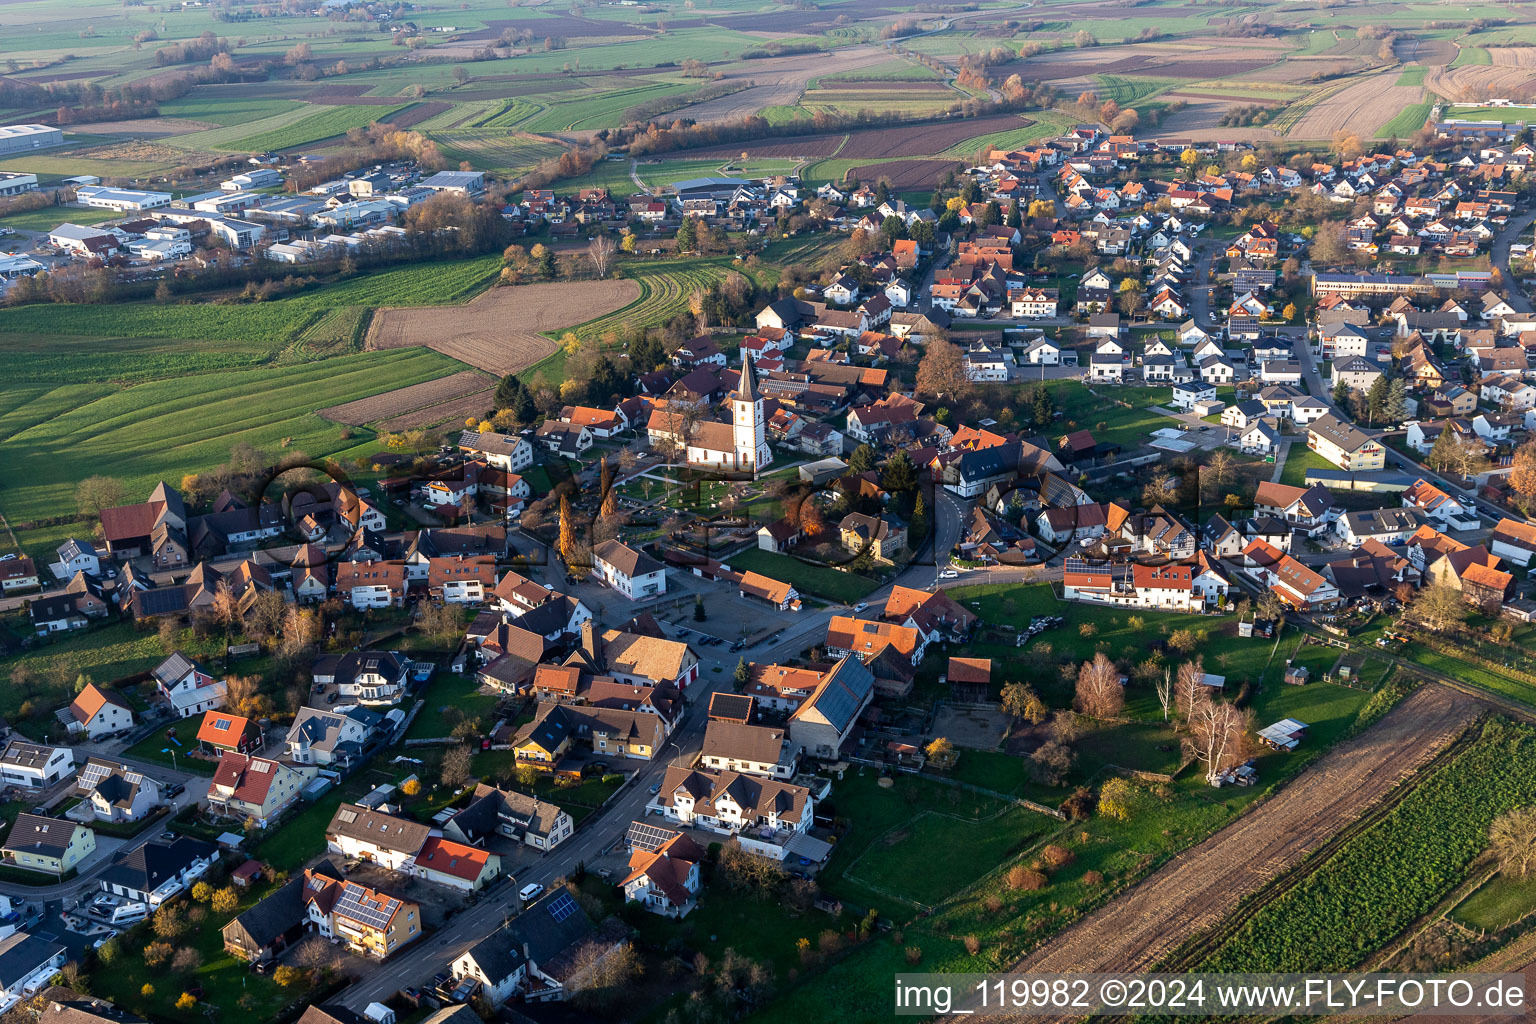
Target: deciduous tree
{"x":1099,"y":692}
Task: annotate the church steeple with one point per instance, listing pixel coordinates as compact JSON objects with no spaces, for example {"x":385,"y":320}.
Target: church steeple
{"x":746,"y":387}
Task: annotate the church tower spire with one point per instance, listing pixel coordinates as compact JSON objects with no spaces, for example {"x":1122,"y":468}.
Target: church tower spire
{"x":748,"y":434}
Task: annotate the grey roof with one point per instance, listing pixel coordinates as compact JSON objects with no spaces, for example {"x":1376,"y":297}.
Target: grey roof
{"x":550,"y":926}
{"x":74,"y":547}
{"x":36,"y":834}
{"x":1385,"y":520}
{"x":736,"y":741}
{"x":385,"y":831}
{"x":153,"y":864}
{"x":21,"y":954}
{"x":173,"y":668}
{"x":274,"y":915}
{"x":842,"y":694}
{"x":26,"y":755}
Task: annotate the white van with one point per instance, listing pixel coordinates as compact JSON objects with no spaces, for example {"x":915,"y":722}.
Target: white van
{"x":530,"y":891}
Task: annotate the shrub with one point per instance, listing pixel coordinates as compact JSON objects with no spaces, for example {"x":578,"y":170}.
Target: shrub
{"x":972,"y":945}
{"x":1093,"y":878}
{"x":1117,"y":798}
{"x":993,"y":903}
{"x":1028,"y":879}
{"x":186,"y":1001}
{"x":1057,"y":856}
{"x":147,"y":990}
{"x":156,"y":954}
{"x":914,"y":955}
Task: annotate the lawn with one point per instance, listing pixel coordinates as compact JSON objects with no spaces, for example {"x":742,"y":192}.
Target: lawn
{"x":157,"y":748}
{"x":53,"y":437}
{"x":102,"y":654}
{"x":445,"y":698}
{"x":815,"y":580}
{"x":887,"y":857}
{"x":1502,"y":114}
{"x":1298,"y":461}
{"x":1413,"y":74}
{"x":50,"y":217}
{"x":1120,"y":415}
{"x":1497,"y":903}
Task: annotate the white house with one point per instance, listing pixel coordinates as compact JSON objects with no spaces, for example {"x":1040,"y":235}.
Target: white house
{"x":632,"y":573}
{"x":97,"y":713}
{"x":35,"y":766}
{"x":186,"y":687}
{"x":27,"y":962}
{"x":1187,"y":393}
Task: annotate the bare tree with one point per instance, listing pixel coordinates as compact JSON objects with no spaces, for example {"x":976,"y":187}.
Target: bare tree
{"x":456,"y":766}
{"x":225,"y":608}
{"x":600,"y":251}
{"x":1099,"y":692}
{"x":1219,"y":735}
{"x":1189,"y":689}
{"x":1513,"y":838}
{"x":1165,"y":692}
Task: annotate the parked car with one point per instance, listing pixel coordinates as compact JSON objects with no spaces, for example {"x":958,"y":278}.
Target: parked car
{"x":532,"y":890}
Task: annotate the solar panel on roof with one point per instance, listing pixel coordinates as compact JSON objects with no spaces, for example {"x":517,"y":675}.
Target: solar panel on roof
{"x":562,"y":907}
{"x":647,"y":838}
{"x":354,"y":903}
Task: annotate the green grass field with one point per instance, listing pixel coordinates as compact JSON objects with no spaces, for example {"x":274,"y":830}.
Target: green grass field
{"x":1504,"y":115}
{"x":1470,"y":55}
{"x":810,"y":580}
{"x":1497,"y":903}
{"x":267,"y":325}
{"x":53,"y":437}
{"x":1298,"y":461}
{"x":1409,"y":120}
{"x":1413,"y":74}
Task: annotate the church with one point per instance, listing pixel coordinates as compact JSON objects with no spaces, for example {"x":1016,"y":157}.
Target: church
{"x":739,"y":446}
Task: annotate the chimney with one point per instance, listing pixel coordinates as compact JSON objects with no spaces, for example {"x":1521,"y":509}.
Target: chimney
{"x":591,"y":646}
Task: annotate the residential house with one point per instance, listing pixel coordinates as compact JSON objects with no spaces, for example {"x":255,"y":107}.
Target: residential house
{"x":665,"y":879}
{"x":883,"y":538}
{"x":730,"y":802}
{"x":52,"y":846}
{"x":632,"y":573}
{"x":1514,"y":541}
{"x":466,"y":868}
{"x":98,"y":713}
{"x":534,"y":956}
{"x":1442,"y":509}
{"x":256,"y":788}
{"x":219,"y":732}
{"x":369,"y":677}
{"x":158,"y":870}
{"x":365,"y":834}
{"x":750,"y":749}
{"x":27,"y":963}
{"x":365,"y":920}
{"x":186,"y":687}
{"x":1345,"y":446}
{"x":518,"y":816}
{"x":113,"y":793}
{"x":338,"y":739}
{"x":34,"y":766}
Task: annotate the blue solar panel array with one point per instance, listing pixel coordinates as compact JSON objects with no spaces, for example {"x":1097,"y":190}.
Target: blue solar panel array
{"x":562,"y":907}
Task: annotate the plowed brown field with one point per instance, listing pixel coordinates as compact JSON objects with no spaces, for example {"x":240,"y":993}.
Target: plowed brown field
{"x":1361,"y":109}
{"x":406,"y":399}
{"x":1203,"y":885}
{"x":1512,"y":75}
{"x":499,"y":330}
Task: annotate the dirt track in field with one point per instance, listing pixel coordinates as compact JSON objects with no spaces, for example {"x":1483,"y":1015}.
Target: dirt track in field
{"x":500,"y":331}
{"x":1198,"y":888}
